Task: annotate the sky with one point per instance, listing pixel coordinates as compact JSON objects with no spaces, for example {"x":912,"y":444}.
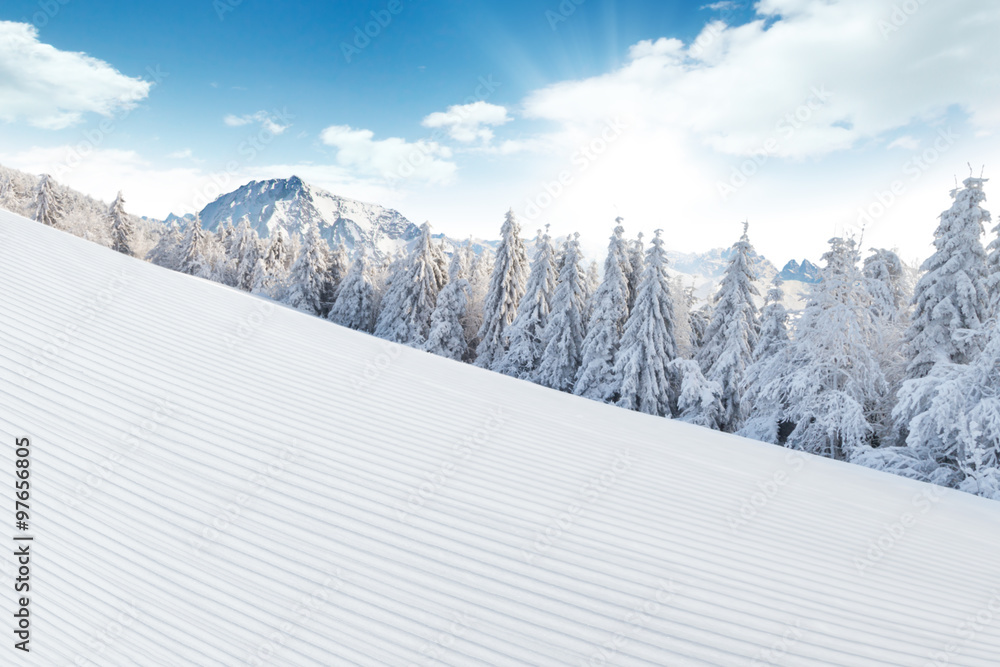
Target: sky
{"x":808,"y":118}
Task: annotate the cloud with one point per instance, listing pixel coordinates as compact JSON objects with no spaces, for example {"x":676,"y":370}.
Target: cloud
{"x":736,"y":87}
{"x":181,"y":155}
{"x":53,"y":89}
{"x":465,"y":122}
{"x":275,"y":123}
{"x":392,"y":159}
{"x":905,"y":142}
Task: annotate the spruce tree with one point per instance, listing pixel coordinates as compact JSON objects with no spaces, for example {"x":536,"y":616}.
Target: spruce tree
{"x":524,"y":353}
{"x":166,"y":252}
{"x":835,"y":384}
{"x":338,"y":264}
{"x":699,"y":401}
{"x":648,"y":345}
{"x":194,"y":256}
{"x":245,"y":250}
{"x":355,"y":301}
{"x":48,"y":207}
{"x":636,"y":261}
{"x":411,"y":294}
{"x":122,"y":230}
{"x":765,"y":373}
{"x":596,"y":378}
{"x":447,"y":337}
{"x":951,"y":298}
{"x":728,"y":343}
{"x":562,"y":337}
{"x":307,"y":279}
{"x":506,"y":287}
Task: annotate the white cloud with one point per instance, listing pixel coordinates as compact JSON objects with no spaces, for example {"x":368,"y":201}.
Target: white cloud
{"x":736,"y":87}
{"x":392,"y":159}
{"x":905,"y":142}
{"x":182,"y":154}
{"x":53,"y":89}
{"x":275,"y":123}
{"x":465,"y":122}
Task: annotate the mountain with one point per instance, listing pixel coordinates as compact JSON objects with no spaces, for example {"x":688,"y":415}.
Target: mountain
{"x":225,"y":481}
{"x":296,"y":206}
{"x":806,"y":272}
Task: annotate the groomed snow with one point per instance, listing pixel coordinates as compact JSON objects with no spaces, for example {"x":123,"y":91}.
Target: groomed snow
{"x":220,"y":481}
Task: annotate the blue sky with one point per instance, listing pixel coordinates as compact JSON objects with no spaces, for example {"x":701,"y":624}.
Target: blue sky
{"x":689,"y":110}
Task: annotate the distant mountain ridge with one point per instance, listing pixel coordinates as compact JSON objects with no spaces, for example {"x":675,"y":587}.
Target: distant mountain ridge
{"x":296,"y":206}
{"x":806,"y":272}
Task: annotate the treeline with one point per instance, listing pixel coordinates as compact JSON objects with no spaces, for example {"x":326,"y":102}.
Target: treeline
{"x":875,"y":371}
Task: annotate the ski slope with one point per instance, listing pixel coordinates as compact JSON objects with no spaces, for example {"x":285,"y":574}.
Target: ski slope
{"x":221,"y":481}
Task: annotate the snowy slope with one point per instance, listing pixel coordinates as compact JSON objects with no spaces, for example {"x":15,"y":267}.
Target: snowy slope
{"x":220,"y":481}
{"x":296,"y":206}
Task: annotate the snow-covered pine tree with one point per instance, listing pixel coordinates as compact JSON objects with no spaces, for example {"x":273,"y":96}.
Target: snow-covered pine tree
{"x":524,"y":353}
{"x":122,"y":230}
{"x":270,"y":275}
{"x":648,"y":343}
{"x":412,"y":294}
{"x":48,"y":207}
{"x":636,"y":261}
{"x":479,"y":284}
{"x":447,"y":337}
{"x":307,"y":279}
{"x":596,"y":379}
{"x":770,"y":364}
{"x":562,"y":337}
{"x":338,"y":264}
{"x":683,"y":297}
{"x":698,"y":320}
{"x":835,"y":384}
{"x":166,"y":252}
{"x":951,"y":299}
{"x":507,"y":284}
{"x":193,"y":258}
{"x":728,"y":343}
{"x":245,"y":250}
{"x":354,"y":304}
{"x":460,"y":266}
{"x":699,"y":399}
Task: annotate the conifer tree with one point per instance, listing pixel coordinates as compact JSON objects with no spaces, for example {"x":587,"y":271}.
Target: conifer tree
{"x":769,"y":366}
{"x":699,"y":401}
{"x":951,"y":298}
{"x":636,"y":257}
{"x":524,"y":354}
{"x":122,"y":230}
{"x":338,"y":264}
{"x":447,"y":337}
{"x":835,"y":383}
{"x":596,"y":378}
{"x":507,"y":285}
{"x":48,"y":207}
{"x":728,"y":343}
{"x":308,"y":276}
{"x":166,"y":252}
{"x":460,"y":266}
{"x":411,"y":294}
{"x":194,"y":257}
{"x":355,"y":301}
{"x":562,"y":337}
{"x":648,"y":344}
{"x":479,"y":285}
{"x":245,"y":250}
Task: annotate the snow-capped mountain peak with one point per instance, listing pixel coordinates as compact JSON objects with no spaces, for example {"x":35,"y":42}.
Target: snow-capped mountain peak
{"x":296,"y":206}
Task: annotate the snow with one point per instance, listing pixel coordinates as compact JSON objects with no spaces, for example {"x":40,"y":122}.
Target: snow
{"x":225,"y":481}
